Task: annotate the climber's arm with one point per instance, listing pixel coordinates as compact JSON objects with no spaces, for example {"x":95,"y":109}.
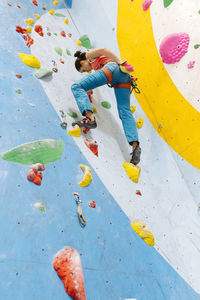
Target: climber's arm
{"x":92,"y":54}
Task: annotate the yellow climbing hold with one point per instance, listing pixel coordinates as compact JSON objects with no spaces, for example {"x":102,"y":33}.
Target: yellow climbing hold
{"x":140,"y":122}
{"x":30,"y":60}
{"x":28,"y":28}
{"x":133,"y":108}
{"x":79,"y":43}
{"x":37,"y":16}
{"x":55,"y":2}
{"x":132,"y":171}
{"x":87,"y":175}
{"x":143,"y":231}
{"x":66,"y":21}
{"x":76,"y":131}
{"x":29,"y":21}
{"x":51,"y":12}
{"x":94,"y":109}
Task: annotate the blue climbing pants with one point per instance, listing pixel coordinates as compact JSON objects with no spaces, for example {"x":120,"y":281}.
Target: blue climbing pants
{"x":98,"y":78}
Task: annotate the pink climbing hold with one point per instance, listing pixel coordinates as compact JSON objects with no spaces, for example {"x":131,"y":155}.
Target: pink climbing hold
{"x":92,"y":204}
{"x":92,"y":145}
{"x":191,"y":64}
{"x":174,"y":47}
{"x":146,"y":4}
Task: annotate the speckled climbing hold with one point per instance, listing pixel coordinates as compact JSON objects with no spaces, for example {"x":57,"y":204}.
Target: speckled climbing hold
{"x":48,"y":33}
{"x":132,"y":171}
{"x":58,"y":51}
{"x":29,"y":29}
{"x":92,"y":204}
{"x":106,"y":104}
{"x":167,"y":3}
{"x":40,"y":206}
{"x":30,"y":60}
{"x":76,"y":131}
{"x":45,"y":151}
{"x":55,"y":3}
{"x":68,"y":52}
{"x":133,"y":108}
{"x":41,"y":73}
{"x":29,"y":21}
{"x":174,"y":47}
{"x":55,"y":69}
{"x":37,"y":16}
{"x":66,"y":21}
{"x":146,"y":4}
{"x":72,"y":114}
{"x":59,"y":15}
{"x":44,"y":7}
{"x":51,"y":12}
{"x":84,"y":41}
{"x":191,"y":64}
{"x":87,"y":175}
{"x":92,"y":145}
{"x":67,"y":264}
{"x":143,"y":231}
{"x":94,"y":109}
{"x":62,"y":33}
{"x":18,"y":91}
{"x":38,"y":28}
{"x":140,"y":122}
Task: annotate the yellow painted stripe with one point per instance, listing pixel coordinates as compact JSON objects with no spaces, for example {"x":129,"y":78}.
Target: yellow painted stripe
{"x":160,"y":99}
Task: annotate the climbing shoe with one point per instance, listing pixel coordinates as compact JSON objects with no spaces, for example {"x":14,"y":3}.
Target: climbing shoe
{"x":135,"y":155}
{"x":86,"y":122}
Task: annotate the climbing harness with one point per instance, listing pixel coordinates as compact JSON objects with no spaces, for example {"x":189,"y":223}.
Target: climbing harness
{"x":81,"y":218}
{"x":63,"y":124}
{"x":132,"y":85}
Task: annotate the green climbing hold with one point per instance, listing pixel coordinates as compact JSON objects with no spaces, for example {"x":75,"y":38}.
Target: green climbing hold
{"x":199,"y":12}
{"x":58,"y":51}
{"x":18,"y":91}
{"x":72,"y":114}
{"x":40,"y":73}
{"x":59,"y":15}
{"x":55,"y":33}
{"x":42,"y":151}
{"x":167,"y":3}
{"x":68,"y":52}
{"x":40,"y":206}
{"x":196,"y":46}
{"x":85,"y":41}
{"x":106,"y":104}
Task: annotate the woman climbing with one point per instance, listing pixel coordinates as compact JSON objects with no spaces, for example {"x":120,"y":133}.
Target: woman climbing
{"x":108,"y":69}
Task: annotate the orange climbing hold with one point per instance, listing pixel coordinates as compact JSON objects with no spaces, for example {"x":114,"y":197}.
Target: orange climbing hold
{"x":20,"y":29}
{"x":92,"y":145}
{"x":35,"y":2}
{"x":68,"y":266}
{"x":62,"y":33}
{"x":39,"y":30}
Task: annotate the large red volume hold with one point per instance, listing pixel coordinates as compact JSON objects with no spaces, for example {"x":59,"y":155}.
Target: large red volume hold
{"x":92,"y":145}
{"x":67,"y":264}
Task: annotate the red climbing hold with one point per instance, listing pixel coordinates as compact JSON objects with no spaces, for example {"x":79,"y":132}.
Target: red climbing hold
{"x":28,"y":39}
{"x":18,"y":75}
{"x":92,"y":204}
{"x":62,"y":61}
{"x":138,"y":193}
{"x":92,"y":145}
{"x":85,"y":130}
{"x":18,"y":6}
{"x":89,"y":93}
{"x":9,"y":4}
{"x":69,"y":35}
{"x":39,"y":30}
{"x":63,"y":33}
{"x":20,"y":29}
{"x":67,"y":264}
{"x":35,"y":2}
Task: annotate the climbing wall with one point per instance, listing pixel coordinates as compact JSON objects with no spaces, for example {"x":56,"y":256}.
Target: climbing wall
{"x":39,"y":220}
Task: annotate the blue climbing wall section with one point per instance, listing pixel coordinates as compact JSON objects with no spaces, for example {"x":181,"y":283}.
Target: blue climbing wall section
{"x":117,"y":264}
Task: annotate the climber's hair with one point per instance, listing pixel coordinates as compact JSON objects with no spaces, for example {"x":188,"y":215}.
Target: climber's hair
{"x":80,"y":56}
